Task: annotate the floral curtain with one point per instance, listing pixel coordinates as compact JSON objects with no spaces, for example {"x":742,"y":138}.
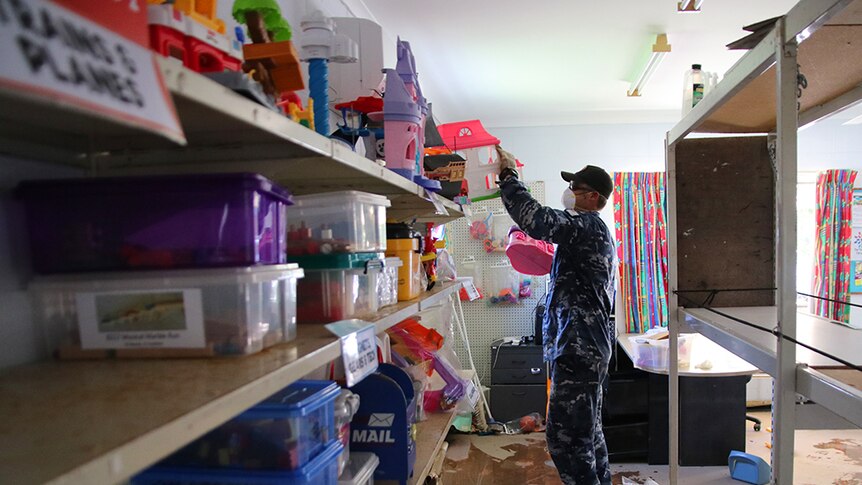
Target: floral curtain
{"x":832,"y":244}
{"x":640,"y":214}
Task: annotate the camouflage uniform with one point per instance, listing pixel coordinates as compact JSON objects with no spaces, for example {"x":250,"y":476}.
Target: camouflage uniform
{"x":577,"y":333}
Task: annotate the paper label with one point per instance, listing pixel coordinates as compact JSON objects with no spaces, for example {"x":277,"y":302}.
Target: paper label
{"x":142,"y":319}
{"x":358,"y":348}
{"x":470,"y":288}
{"x":438,"y":204}
{"x":472,"y":394}
{"x":52,"y":52}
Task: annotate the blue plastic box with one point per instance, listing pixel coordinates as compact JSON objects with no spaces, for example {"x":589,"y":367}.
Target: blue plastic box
{"x":322,"y":470}
{"x":283,"y":432}
{"x":746,"y":467}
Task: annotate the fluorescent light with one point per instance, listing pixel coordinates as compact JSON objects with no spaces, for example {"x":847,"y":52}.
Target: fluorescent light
{"x":686,"y":6}
{"x":659,"y":51}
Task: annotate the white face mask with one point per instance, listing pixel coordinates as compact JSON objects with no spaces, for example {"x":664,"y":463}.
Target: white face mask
{"x":568,"y":199}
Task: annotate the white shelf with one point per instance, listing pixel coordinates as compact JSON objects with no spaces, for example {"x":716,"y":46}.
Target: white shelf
{"x":724,"y":363}
{"x":226,"y":133}
{"x":744,"y":101}
{"x":104,"y":421}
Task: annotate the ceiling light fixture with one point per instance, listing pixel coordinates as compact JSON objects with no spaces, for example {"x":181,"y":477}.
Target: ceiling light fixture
{"x":689,"y":6}
{"x":659,"y":51}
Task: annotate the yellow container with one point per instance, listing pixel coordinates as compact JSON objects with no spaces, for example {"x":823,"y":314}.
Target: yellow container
{"x":409,"y":274}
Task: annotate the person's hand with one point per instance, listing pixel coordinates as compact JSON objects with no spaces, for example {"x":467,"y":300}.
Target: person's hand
{"x":507,"y":160}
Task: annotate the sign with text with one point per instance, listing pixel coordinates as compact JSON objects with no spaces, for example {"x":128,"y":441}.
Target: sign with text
{"x":88,"y":55}
{"x":169,"y":318}
{"x":470,"y":288}
{"x":358,"y":348}
{"x":472,"y":394}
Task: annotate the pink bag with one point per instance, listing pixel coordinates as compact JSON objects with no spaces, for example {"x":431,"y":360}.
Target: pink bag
{"x":528,"y":255}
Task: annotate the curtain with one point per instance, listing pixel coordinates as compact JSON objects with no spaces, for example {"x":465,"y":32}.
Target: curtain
{"x":832,"y":244}
{"x":640,"y":212}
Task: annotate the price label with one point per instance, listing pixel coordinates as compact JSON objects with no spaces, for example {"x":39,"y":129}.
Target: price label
{"x":470,"y":288}
{"x":438,"y":204}
{"x":358,"y":348}
{"x":472,"y":394}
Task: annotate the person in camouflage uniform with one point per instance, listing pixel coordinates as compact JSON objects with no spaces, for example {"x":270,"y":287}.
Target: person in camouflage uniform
{"x":577,"y":332}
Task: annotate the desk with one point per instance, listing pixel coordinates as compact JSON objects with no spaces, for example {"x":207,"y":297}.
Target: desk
{"x":712,"y":405}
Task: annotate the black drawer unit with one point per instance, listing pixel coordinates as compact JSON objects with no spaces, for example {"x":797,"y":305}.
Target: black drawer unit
{"x":532,"y":375}
{"x":512,"y":402}
{"x":518,"y":380}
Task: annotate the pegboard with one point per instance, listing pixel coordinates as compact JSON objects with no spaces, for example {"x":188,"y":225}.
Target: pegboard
{"x":486,"y":323}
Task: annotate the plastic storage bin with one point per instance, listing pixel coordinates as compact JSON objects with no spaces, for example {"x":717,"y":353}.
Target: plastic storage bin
{"x":338,"y":287}
{"x":360,"y":469}
{"x":197,"y":312}
{"x":322,"y":470}
{"x":346,"y":405}
{"x":108,"y":224}
{"x":283,"y":432}
{"x":387,"y":284}
{"x":503,"y":285}
{"x":653,"y":354}
{"x":337,"y":222}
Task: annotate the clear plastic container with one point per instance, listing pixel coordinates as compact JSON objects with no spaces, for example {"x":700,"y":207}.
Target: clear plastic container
{"x":387,"y":284}
{"x":360,"y":469}
{"x":321,"y":470}
{"x":653,"y":354}
{"x":283,"y":432}
{"x":337,"y":222}
{"x":195,"y":312}
{"x":346,"y":405}
{"x":338,"y":287}
{"x":503,"y":285}
{"x":177,"y":221}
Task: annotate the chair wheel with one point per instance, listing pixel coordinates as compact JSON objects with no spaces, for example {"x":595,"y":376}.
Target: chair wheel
{"x":756,"y":427}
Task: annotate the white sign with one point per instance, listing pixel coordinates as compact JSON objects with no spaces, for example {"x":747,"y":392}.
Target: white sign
{"x":55,"y":54}
{"x":472,"y":394}
{"x":358,"y":348}
{"x":438,"y":204}
{"x":470,"y":288}
{"x":141,"y":320}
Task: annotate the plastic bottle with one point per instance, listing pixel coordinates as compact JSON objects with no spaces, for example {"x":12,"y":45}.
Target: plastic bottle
{"x":692,"y":88}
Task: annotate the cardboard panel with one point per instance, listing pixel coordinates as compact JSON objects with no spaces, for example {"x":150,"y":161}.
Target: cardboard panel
{"x":725,"y":219}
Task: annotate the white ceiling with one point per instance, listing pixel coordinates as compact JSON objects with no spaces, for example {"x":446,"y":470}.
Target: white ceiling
{"x":554,"y":62}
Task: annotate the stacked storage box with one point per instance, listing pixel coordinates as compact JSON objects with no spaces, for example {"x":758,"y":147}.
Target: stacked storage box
{"x":288,"y":438}
{"x":338,"y":239}
{"x":161,"y":266}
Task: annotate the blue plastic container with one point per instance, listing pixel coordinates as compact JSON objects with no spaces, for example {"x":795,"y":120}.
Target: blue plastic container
{"x":283,"y":432}
{"x":746,"y":467}
{"x":322,"y":470}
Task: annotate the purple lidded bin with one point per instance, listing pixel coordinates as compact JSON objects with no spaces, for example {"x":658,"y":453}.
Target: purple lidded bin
{"x":173,"y":221}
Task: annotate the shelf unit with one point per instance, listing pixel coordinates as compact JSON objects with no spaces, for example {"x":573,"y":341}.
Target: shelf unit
{"x":759,"y":95}
{"x":225,"y":132}
{"x":104,"y":421}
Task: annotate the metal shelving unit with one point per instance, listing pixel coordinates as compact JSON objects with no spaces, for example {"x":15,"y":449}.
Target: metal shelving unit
{"x":759,"y":95}
{"x":226,"y":133}
{"x":104,"y":421}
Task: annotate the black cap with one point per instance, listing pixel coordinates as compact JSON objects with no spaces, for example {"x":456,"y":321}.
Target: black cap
{"x":593,"y":177}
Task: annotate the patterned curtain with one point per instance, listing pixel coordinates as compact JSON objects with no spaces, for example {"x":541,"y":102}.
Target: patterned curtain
{"x":640,"y":212}
{"x":832,"y":244}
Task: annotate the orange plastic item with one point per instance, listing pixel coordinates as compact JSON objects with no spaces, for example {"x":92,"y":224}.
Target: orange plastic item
{"x":281,"y":60}
{"x":203,"y":12}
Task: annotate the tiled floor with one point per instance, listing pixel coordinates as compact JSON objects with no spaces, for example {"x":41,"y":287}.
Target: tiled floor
{"x":822,"y":457}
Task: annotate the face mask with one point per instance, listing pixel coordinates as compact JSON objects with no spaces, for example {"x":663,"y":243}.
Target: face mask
{"x":568,"y":199}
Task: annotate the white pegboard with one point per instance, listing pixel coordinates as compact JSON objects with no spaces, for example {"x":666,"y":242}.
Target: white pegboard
{"x":486,"y":323}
